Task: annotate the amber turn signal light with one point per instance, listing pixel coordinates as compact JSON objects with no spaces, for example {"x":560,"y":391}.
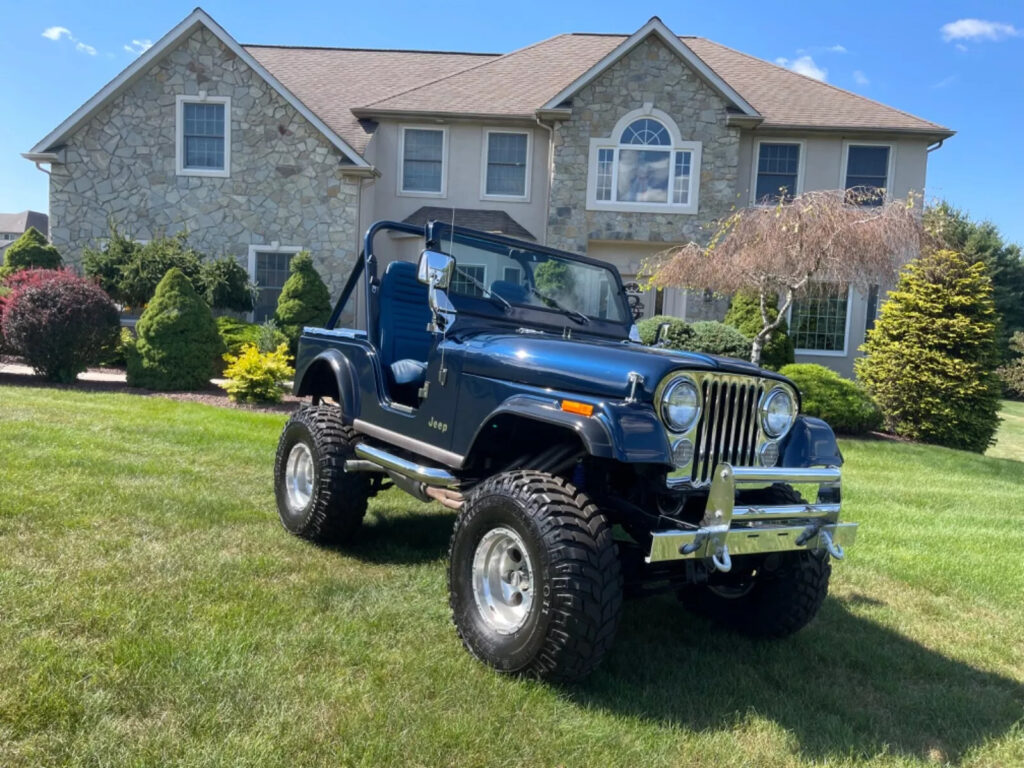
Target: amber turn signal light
{"x":583,"y":409}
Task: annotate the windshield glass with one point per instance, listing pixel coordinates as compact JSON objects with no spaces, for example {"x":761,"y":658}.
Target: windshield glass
{"x":528,"y":278}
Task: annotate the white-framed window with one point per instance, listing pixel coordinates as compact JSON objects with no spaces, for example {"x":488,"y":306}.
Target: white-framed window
{"x":778,"y":171}
{"x":644,"y":166}
{"x":203,"y":135}
{"x":422,"y":161}
{"x":868,"y":170}
{"x":466,"y":277}
{"x":269,"y":267}
{"x":505,"y":171}
{"x":819,"y":321}
{"x":512,"y":275}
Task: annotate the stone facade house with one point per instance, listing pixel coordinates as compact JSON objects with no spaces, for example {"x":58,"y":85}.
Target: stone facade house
{"x":614,"y":145}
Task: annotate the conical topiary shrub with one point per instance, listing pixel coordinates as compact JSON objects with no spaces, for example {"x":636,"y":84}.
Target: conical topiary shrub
{"x":178,"y":344}
{"x":30,"y":251}
{"x":304,"y":300}
{"x":931,"y":356}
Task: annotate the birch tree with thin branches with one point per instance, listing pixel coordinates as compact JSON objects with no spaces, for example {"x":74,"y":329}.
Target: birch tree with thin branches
{"x":780,"y":252}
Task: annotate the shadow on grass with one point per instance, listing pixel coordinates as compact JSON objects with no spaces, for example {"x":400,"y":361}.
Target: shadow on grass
{"x":843,"y":686}
{"x":402,"y":538}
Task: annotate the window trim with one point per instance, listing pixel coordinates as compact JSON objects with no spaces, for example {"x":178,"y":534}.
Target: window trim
{"x":613,"y":142}
{"x":399,"y":189}
{"x":484,"y":160}
{"x":179,"y":135}
{"x":756,"y":162}
{"x":273,"y":247}
{"x":890,"y":170}
{"x":846,"y":331}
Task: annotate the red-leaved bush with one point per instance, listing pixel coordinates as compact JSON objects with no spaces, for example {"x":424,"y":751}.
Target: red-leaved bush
{"x":58,"y":322}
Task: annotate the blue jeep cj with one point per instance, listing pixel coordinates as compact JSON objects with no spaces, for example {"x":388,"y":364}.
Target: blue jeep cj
{"x":506,"y":381}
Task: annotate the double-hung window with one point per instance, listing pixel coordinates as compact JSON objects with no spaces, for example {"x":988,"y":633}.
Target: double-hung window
{"x":819,"y":320}
{"x":778,"y":172}
{"x":468,"y":278}
{"x":269,"y":267}
{"x":203,"y":141}
{"x":867,"y":172}
{"x":423,"y":153}
{"x":506,"y":165}
{"x":644,"y":167}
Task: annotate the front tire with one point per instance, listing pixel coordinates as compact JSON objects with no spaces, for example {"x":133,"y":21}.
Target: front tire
{"x":316,"y":498}
{"x":777,"y":600}
{"x":534,"y":578}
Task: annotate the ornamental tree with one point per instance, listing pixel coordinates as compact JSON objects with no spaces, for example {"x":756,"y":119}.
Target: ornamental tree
{"x":30,"y":251}
{"x":931,"y":356}
{"x":304,"y":299}
{"x":817,"y":237}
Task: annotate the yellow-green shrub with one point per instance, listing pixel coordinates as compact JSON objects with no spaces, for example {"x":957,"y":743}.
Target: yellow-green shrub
{"x":258,"y":377}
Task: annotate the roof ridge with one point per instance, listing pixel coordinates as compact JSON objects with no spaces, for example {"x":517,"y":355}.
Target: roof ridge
{"x":367,"y":50}
{"x":463,"y":71}
{"x":818,"y":82}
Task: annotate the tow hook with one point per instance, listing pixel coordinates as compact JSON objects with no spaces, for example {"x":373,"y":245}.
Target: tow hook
{"x":834,"y":549}
{"x":721,"y":559}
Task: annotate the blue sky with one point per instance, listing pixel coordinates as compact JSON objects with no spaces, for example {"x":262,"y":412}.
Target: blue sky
{"x":960,"y":64}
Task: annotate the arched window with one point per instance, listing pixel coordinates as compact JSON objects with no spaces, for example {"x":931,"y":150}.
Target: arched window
{"x":644,"y":166}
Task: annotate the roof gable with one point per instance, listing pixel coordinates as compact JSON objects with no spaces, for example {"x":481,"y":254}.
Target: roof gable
{"x":137,"y":68}
{"x":655,"y":27}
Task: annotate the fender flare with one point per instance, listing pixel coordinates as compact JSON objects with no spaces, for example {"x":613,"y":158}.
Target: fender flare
{"x":811,"y":443}
{"x":341,"y":371}
{"x":614,"y":431}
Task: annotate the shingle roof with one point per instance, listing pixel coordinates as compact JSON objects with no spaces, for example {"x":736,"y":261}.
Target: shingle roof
{"x":333,"y":82}
{"x":20,"y":222}
{"x":497,"y":222}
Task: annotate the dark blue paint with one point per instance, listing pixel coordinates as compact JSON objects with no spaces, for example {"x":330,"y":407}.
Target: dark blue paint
{"x":810,"y":443}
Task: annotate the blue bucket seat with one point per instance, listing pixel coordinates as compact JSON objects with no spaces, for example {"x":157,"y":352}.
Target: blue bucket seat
{"x":404,"y":339}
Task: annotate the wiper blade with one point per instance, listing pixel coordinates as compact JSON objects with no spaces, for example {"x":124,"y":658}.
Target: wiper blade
{"x":576,"y":315}
{"x":487,"y":291}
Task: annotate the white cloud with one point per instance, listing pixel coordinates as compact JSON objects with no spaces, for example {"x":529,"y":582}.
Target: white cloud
{"x":946,"y":81}
{"x":860,"y":78}
{"x":961,"y":47}
{"x":83,"y":48}
{"x":56,"y":33}
{"x":804,"y":65}
{"x":836,"y":49}
{"x":977,"y":30}
{"x":139,"y":46}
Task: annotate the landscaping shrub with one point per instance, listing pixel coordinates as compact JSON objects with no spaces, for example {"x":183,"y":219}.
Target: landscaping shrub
{"x":679,"y":336}
{"x":116,"y":355}
{"x":745,"y":316}
{"x":840,"y":402}
{"x":149,"y":263}
{"x":931,"y":356}
{"x":178,"y":345}
{"x":716,"y":338}
{"x":258,"y":377}
{"x":304,"y":300}
{"x":226,"y":285}
{"x":106,"y":265}
{"x":58,"y":322}
{"x":30,"y":251}
{"x":237,"y":333}
{"x":1012,"y":374}
{"x":554,"y":279}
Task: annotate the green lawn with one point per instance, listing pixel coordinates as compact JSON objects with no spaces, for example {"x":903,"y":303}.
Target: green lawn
{"x":1010,"y":438}
{"x":153,"y":612}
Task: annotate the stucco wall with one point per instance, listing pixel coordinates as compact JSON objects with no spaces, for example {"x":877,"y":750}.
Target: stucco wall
{"x":650,"y":73}
{"x":285,"y":183}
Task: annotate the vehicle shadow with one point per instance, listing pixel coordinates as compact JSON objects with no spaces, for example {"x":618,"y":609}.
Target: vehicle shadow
{"x":843,"y":686}
{"x":399,"y":537}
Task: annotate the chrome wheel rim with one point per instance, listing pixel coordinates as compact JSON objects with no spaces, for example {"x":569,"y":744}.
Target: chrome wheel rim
{"x":503,"y":580}
{"x":299,"y":473}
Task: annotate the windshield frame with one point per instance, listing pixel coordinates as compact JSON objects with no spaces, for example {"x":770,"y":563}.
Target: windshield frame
{"x":440,"y":236}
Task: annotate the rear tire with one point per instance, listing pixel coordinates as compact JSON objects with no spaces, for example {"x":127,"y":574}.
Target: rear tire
{"x":316,"y":498}
{"x":775,"y":601}
{"x":533,"y":529}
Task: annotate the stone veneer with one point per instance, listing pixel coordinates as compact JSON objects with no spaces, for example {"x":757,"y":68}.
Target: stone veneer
{"x":285,"y":184}
{"x":650,"y":73}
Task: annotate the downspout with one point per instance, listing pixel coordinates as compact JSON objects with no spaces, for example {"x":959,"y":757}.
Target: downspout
{"x":39,"y":167}
{"x":551,"y":177}
{"x":936,"y":145}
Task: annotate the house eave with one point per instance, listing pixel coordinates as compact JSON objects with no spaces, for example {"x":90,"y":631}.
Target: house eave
{"x":53,"y":158}
{"x":936,"y":133}
{"x":440,"y":116}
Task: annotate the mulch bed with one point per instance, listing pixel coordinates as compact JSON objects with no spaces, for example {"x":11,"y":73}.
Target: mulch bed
{"x":212,"y":396}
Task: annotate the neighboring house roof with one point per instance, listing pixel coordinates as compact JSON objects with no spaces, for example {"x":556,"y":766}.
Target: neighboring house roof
{"x":20,"y":222}
{"x":497,"y":222}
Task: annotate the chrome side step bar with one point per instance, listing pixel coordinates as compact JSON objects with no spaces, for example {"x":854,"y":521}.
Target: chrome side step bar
{"x":385,"y":461}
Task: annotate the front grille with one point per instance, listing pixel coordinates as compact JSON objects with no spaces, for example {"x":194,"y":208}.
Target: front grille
{"x":728,"y":425}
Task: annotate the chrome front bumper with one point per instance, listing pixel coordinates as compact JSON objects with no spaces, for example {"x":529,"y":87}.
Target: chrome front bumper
{"x":727,"y":530}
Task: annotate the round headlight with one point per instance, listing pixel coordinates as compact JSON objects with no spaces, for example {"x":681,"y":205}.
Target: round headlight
{"x":778,"y":412}
{"x":680,"y":405}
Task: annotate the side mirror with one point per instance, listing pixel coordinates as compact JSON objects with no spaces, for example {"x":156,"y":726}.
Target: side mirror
{"x":435,"y":269}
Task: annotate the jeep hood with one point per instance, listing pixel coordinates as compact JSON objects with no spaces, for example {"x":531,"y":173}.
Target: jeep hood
{"x":585,"y":365}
